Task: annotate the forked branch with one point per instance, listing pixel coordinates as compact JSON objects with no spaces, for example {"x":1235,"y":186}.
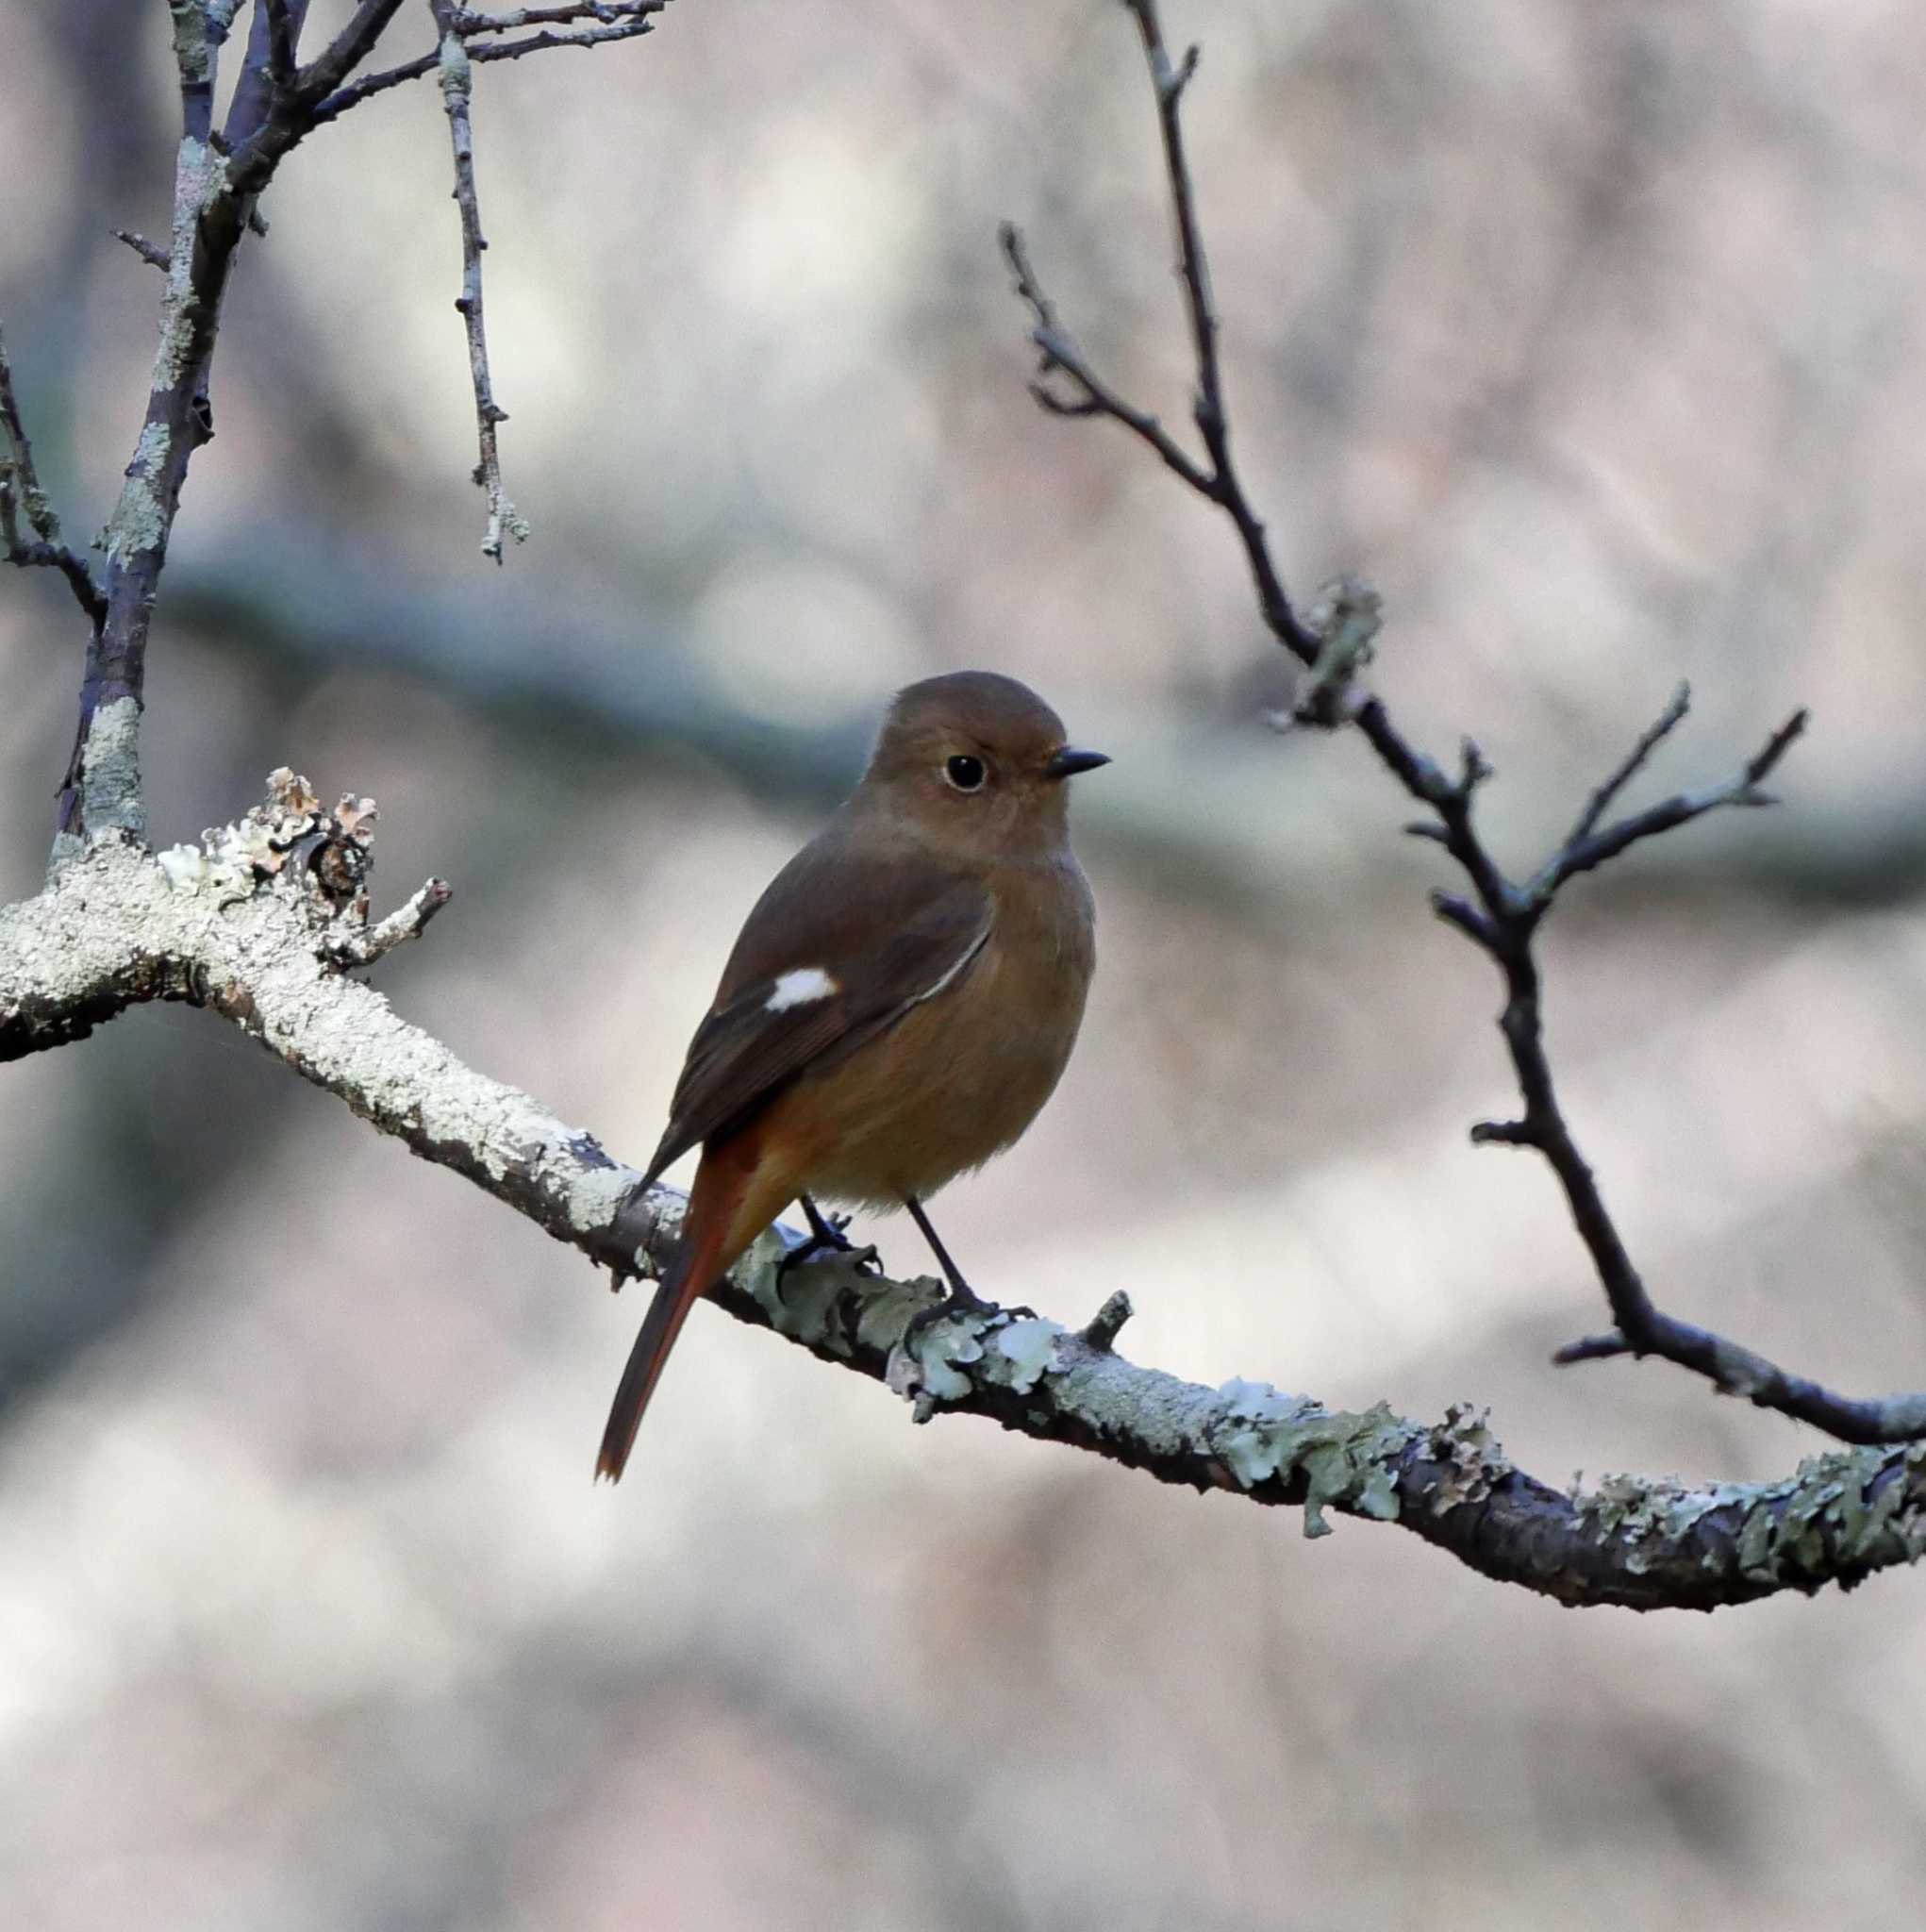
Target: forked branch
{"x":1498,"y":915}
{"x":22,"y":496}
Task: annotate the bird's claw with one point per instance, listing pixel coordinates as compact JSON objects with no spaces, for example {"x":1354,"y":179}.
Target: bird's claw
{"x":959,"y":1300}
{"x":827,"y":1237}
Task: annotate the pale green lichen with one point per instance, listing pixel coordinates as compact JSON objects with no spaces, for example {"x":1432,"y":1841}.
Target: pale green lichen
{"x":200,"y":178}
{"x":930,"y":1369}
{"x":1028,"y":1344}
{"x":1347,"y":1460}
{"x":811,"y":1301}
{"x":110,"y":770}
{"x":888,"y":1307}
{"x":1347,"y":617}
{"x":452,"y":58}
{"x":1464,"y":1445}
{"x":1838,"y":1512}
{"x":139,"y":522}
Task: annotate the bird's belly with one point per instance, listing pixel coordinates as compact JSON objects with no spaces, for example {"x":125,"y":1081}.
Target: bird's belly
{"x":952,"y":1083}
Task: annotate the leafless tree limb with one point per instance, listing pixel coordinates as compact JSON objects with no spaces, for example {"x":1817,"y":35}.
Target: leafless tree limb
{"x":20,"y":495}
{"x":1498,"y":916}
{"x":217,"y":189}
{"x":503,"y":518}
{"x":283,"y":27}
{"x":262,"y":924}
{"x":615,"y":22}
{"x":150,"y":252}
{"x":257,"y":925}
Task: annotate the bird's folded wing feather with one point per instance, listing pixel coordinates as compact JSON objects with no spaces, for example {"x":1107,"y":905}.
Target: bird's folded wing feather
{"x":836,"y":951}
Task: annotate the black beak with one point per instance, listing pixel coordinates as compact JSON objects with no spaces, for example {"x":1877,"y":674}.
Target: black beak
{"x":1068,"y":762}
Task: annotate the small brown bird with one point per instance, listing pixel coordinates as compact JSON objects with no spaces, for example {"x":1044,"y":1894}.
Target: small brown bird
{"x":901,"y":1003}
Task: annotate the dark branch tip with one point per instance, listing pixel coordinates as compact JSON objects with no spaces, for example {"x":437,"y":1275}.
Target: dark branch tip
{"x":1592,"y":1348}
{"x":1101,"y":1331}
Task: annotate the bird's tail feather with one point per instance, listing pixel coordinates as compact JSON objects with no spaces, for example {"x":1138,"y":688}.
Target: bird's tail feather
{"x":703,"y":1259}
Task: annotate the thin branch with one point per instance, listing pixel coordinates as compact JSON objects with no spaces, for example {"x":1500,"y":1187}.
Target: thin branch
{"x":470,"y":20}
{"x":1498,"y":916}
{"x":248,"y":924}
{"x":627,"y":23}
{"x":407,"y":922}
{"x":1192,"y":268}
{"x":150,"y":252}
{"x":342,"y":56}
{"x":21,"y":494}
{"x":1586,"y":850}
{"x":503,"y":518}
{"x":1058,"y":354}
{"x":1649,"y":741}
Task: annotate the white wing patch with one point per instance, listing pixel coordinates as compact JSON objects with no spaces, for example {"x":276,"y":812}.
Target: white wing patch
{"x":799,"y":988}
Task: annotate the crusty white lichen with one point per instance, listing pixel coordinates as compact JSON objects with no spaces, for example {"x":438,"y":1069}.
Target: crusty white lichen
{"x":110,"y":770}
{"x":139,"y":519}
{"x":200,"y":175}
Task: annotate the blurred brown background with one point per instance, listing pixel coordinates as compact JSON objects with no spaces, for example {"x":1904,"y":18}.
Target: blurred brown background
{"x":1590,"y":331}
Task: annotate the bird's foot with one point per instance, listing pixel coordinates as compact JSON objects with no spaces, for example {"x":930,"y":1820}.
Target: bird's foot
{"x":962,"y":1300}
{"x":827,"y":1235}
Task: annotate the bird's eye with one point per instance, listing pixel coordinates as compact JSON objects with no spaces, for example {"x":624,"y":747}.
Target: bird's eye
{"x":964,"y":773}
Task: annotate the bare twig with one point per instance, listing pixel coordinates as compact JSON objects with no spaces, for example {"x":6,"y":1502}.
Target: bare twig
{"x":621,"y":23}
{"x":1059,"y":355}
{"x":1498,"y":916}
{"x":470,"y":20}
{"x":1588,"y":849}
{"x":1649,"y":741}
{"x":277,"y":104}
{"x":407,"y":922}
{"x":342,"y":56}
{"x":21,"y":494}
{"x":150,"y":252}
{"x":503,"y":517}
{"x":1102,"y":1330}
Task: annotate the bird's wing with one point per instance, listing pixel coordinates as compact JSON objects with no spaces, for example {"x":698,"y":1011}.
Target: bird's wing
{"x":838,"y":947}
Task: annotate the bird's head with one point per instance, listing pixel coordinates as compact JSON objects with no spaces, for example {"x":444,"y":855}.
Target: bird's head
{"x":976,"y":763}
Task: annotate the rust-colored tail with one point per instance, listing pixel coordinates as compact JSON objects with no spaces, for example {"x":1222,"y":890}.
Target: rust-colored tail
{"x":711,"y":1242}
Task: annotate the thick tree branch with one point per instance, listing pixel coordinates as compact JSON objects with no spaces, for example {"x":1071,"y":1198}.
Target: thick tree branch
{"x":1499,"y":916}
{"x":255,"y":926}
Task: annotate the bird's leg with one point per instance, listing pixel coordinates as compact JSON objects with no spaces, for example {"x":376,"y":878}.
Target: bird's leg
{"x":826,"y":1236}
{"x":961,"y":1295}
{"x":962,"y":1299}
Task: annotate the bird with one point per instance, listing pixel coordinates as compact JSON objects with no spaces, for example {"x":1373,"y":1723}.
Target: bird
{"x":902,"y":1001}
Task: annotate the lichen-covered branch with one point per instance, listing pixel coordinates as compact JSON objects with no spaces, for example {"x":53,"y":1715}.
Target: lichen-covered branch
{"x":260,"y":924}
{"x":219,"y":180}
{"x":1498,"y":915}
{"x":503,"y":518}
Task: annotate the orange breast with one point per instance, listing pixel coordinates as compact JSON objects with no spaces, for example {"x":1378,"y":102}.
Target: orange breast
{"x":959,"y":1076}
